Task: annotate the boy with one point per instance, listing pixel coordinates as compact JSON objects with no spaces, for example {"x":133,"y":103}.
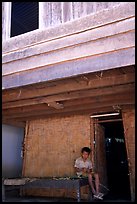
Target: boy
{"x":83,"y":167}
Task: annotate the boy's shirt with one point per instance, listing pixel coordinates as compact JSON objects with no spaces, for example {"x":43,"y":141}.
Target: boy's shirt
{"x":80,"y":163}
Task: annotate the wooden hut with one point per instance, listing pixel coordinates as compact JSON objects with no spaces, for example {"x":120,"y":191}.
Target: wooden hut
{"x":61,"y":80}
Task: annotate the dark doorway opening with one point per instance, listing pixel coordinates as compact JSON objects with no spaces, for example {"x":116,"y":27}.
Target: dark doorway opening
{"x":117,"y":163}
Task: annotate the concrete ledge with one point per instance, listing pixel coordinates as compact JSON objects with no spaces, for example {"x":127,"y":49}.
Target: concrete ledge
{"x":89,"y":36}
{"x":92,"y":48}
{"x":120,"y":58}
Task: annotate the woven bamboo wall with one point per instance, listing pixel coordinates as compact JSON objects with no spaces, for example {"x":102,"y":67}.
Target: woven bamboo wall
{"x":51,"y":147}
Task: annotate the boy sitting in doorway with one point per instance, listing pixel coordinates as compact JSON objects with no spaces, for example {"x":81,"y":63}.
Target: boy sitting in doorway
{"x":83,"y":167}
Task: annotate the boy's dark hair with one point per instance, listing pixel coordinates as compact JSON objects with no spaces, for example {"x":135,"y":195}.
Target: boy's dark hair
{"x":86,"y":149}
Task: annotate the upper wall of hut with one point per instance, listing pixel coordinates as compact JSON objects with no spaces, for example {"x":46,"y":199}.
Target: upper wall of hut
{"x":55,"y":13}
{"x":73,"y":37}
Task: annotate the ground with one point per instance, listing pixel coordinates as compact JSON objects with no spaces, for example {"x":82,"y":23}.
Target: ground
{"x":13,"y":196}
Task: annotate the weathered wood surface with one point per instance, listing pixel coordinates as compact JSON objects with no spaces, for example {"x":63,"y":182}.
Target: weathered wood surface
{"x":17,"y":181}
{"x":128,"y":116}
{"x":91,"y":81}
{"x":87,"y":93}
{"x":87,"y":104}
{"x":70,"y":96}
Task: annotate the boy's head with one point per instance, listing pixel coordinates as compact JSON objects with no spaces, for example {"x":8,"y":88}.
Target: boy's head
{"x":85,"y":152}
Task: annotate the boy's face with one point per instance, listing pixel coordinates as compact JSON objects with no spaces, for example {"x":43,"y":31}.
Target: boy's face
{"x":85,"y":155}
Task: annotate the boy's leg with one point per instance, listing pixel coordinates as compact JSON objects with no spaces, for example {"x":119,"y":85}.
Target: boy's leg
{"x":91,"y":183}
{"x":96,"y":176}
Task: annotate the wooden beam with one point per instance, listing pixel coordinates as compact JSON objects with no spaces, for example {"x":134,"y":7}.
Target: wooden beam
{"x":22,"y":110}
{"x":110,"y":120}
{"x":70,"y":95}
{"x":76,"y":112}
{"x":16,"y":123}
{"x":55,"y":105}
{"x":67,"y":85}
{"x":104,"y":96}
{"x":110,"y":100}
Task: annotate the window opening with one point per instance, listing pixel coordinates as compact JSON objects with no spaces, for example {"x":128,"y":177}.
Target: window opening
{"x":24,"y":17}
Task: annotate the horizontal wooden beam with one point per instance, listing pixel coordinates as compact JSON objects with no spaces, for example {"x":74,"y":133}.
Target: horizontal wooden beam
{"x":71,"y":95}
{"x":72,"y":102}
{"x":84,"y":82}
{"x":110,"y":100}
{"x":56,"y":105}
{"x":90,"y":111}
{"x":110,"y":120}
{"x":16,"y":123}
{"x":76,"y":112}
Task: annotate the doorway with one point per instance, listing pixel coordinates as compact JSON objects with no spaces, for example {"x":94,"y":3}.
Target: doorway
{"x":116,"y":163}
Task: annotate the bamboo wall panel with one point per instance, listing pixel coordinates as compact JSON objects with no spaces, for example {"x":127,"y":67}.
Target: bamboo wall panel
{"x":129,"y":131}
{"x":56,"y":139}
{"x":51,"y":147}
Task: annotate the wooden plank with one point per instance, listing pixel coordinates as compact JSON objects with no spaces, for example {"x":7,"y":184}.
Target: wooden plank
{"x":25,"y":109}
{"x":16,"y":123}
{"x":73,"y":101}
{"x":89,"y":111}
{"x":114,"y":99}
{"x":105,"y":61}
{"x":56,"y":105}
{"x":94,"y":80}
{"x":70,"y":96}
{"x":110,"y":120}
{"x":129,"y":132}
{"x":99,"y":99}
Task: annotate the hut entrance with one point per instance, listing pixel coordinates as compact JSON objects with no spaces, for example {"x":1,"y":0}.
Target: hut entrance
{"x":110,"y":156}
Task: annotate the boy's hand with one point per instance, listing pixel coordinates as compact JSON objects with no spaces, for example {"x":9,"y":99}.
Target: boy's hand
{"x":84,"y":170}
{"x":88,"y":170}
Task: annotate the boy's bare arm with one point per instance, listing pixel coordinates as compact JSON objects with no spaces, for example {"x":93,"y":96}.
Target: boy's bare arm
{"x":84,"y":170}
{"x":77,"y":169}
